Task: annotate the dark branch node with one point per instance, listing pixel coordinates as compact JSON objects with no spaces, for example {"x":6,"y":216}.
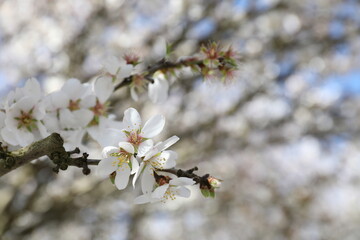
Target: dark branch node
{"x":9,"y":162}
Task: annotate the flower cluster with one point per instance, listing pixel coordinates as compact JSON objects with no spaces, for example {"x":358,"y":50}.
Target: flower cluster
{"x":136,"y":154}
{"x":130,"y":69}
{"x":27,"y":114}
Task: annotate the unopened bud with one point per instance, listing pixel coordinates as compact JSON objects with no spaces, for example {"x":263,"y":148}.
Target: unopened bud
{"x":214,"y":182}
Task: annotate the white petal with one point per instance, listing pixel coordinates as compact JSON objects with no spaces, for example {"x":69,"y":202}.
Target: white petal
{"x":159,"y":192}
{"x":88,"y":101}
{"x":133,"y":94}
{"x":182,"y":181}
{"x":103,"y":89}
{"x":122,"y":177}
{"x":51,"y":122}
{"x":66,"y":118}
{"x":152,"y":152}
{"x":142,"y":199}
{"x":125,"y":70}
{"x":106,"y":166}
{"x":9,"y":136}
{"x":24,"y":137}
{"x":73,"y":88}
{"x":25,"y":104}
{"x":158,"y":91}
{"x":108,"y":150}
{"x":39,"y":111}
{"x":144,"y":147}
{"x":137,"y":174}
{"x":32,"y":88}
{"x":153,"y":126}
{"x":170,"y":157}
{"x":134,"y":165}
{"x":132,"y":119}
{"x":147,"y":181}
{"x":107,"y":136}
{"x":59,"y":99}
{"x":160,"y":48}
{"x":83,"y":117}
{"x":128,"y":147}
{"x":42,"y":130}
{"x":167,"y":143}
{"x":183,"y":192}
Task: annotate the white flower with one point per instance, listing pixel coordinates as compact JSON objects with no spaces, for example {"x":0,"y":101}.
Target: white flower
{"x":31,"y":89}
{"x":158,"y":91}
{"x":102,"y":89}
{"x":72,"y":103}
{"x":115,"y":69}
{"x":120,"y":160}
{"x":156,"y":159}
{"x":139,"y":135}
{"x":160,"y":48}
{"x":168,"y":191}
{"x":23,"y":122}
{"x":107,"y":132}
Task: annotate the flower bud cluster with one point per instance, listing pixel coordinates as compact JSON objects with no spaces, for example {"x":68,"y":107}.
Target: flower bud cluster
{"x":214,"y":62}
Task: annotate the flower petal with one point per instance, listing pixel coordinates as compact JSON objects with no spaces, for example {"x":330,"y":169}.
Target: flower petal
{"x":159,"y":192}
{"x":167,"y":143}
{"x":144,"y":147}
{"x":9,"y":136}
{"x":103,"y":89}
{"x":142,"y":199}
{"x":83,"y":117}
{"x":182,"y":181}
{"x":108,"y":150}
{"x":128,"y":147}
{"x":106,"y":166}
{"x":158,"y":91}
{"x":147,"y":181}
{"x":122,"y":177}
{"x":132,"y":119}
{"x":137,"y":174}
{"x":134,"y":165}
{"x":183,"y":192}
{"x":133,"y":94}
{"x":153,"y":126}
{"x":170,"y":157}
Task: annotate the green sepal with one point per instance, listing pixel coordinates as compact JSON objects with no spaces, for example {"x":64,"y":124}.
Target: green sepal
{"x":212,"y":193}
{"x":205,"y":192}
{"x":112,"y":177}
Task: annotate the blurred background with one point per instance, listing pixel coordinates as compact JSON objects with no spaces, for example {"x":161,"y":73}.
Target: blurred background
{"x":284,"y":136}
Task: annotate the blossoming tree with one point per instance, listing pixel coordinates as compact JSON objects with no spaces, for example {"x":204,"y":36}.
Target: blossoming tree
{"x":35,"y":125}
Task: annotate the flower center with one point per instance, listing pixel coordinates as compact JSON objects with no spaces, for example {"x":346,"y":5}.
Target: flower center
{"x":169,"y":194}
{"x":122,"y":160}
{"x":74,"y":105}
{"x":99,"y":109}
{"x":26,"y":120}
{"x":134,"y":138}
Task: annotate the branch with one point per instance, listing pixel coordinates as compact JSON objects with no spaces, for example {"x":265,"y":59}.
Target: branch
{"x":45,"y":147}
{"x":163,"y":64}
{"x":52,"y":147}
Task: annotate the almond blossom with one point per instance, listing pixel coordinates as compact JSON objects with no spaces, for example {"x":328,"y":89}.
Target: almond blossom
{"x":23,"y":122}
{"x":138,"y":135}
{"x":168,"y":189}
{"x":156,"y":159}
{"x":116,"y":70}
{"x":119,"y":161}
{"x":72,"y":102}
